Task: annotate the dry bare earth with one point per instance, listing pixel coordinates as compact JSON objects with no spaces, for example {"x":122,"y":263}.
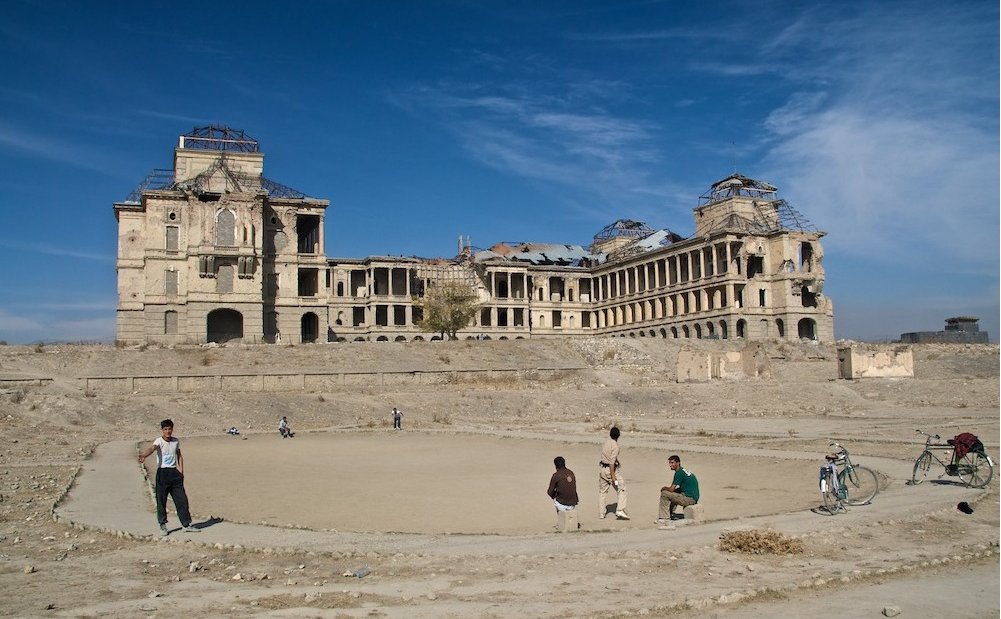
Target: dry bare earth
{"x":755,"y":444}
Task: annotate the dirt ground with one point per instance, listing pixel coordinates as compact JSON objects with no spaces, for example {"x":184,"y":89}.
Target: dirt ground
{"x":448,"y":518}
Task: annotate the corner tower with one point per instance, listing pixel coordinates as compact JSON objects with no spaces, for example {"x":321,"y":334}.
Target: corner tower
{"x":213,"y":251}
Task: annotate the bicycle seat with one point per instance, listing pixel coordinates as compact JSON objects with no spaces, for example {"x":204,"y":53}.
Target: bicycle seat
{"x":832,"y":457}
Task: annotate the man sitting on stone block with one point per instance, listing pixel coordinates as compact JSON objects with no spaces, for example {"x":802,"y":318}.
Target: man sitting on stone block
{"x":563,"y":489}
{"x":683,"y":491}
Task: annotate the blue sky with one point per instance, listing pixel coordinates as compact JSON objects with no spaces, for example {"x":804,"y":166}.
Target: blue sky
{"x":543,"y":121}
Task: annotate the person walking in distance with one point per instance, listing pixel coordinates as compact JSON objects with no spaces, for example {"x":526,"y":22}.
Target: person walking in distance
{"x":683,"y":491}
{"x":169,"y":477}
{"x":397,"y":419}
{"x":610,"y":475}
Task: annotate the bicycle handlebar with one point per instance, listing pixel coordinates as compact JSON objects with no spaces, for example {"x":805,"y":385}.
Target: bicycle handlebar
{"x":934,"y":436}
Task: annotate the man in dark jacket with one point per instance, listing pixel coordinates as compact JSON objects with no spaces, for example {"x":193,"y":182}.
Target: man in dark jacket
{"x":563,"y":488}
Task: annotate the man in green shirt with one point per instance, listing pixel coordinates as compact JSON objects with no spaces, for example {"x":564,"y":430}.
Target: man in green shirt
{"x":683,"y":491}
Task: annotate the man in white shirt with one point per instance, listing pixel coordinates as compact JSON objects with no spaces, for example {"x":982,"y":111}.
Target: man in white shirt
{"x":169,"y":477}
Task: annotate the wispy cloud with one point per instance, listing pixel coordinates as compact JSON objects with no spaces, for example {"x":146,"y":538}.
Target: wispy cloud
{"x":50,"y":149}
{"x":889,"y":151}
{"x":567,"y":140}
{"x":24,"y":328}
{"x":38,"y":248}
{"x":183,"y":118}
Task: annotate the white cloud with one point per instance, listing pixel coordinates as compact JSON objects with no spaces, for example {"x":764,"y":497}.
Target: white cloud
{"x":575,"y":145}
{"x":34,"y":326}
{"x":39,"y":248}
{"x":889,"y":140}
{"x":895,"y":189}
{"x":49,"y":149}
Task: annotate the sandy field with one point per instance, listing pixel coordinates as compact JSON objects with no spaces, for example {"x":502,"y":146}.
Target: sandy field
{"x":419,"y":482}
{"x":448,"y":518}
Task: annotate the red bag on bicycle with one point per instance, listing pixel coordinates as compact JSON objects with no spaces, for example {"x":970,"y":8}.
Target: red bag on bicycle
{"x":965,"y":443}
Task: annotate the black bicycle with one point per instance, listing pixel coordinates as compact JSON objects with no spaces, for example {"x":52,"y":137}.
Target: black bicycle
{"x":974,"y":468}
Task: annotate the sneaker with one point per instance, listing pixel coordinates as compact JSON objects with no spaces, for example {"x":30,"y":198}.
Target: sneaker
{"x":190,"y":529}
{"x":621,"y":515}
{"x":662,"y":521}
{"x":602,"y":515}
{"x":677,"y":516}
{"x":163,"y":530}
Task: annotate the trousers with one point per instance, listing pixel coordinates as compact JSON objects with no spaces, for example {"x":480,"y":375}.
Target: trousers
{"x":668,"y":501}
{"x":605,"y":483}
{"x":171,"y":482}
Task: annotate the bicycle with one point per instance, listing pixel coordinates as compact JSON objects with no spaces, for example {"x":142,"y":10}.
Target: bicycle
{"x":842,"y":482}
{"x":975,"y":468}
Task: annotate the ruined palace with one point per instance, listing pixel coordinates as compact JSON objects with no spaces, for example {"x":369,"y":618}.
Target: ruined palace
{"x":211,"y":250}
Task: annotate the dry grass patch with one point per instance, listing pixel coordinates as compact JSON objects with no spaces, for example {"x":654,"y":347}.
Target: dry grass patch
{"x":759,"y":543}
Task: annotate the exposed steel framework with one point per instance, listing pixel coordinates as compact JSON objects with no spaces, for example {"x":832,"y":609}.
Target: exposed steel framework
{"x":774,"y":214}
{"x":623,"y":227}
{"x":220,"y":137}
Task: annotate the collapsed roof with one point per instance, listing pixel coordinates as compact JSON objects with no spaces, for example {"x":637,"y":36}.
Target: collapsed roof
{"x":537,"y":253}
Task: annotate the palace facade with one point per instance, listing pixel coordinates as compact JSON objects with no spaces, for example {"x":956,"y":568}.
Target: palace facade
{"x":211,"y":251}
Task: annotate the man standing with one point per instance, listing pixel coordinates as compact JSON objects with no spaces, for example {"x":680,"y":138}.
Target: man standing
{"x":609,"y":475}
{"x":683,"y":491}
{"x":169,"y":477}
{"x":397,"y":419}
{"x":562,"y":488}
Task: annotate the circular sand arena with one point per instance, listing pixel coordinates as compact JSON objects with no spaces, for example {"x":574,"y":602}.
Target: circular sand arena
{"x":459,"y":483}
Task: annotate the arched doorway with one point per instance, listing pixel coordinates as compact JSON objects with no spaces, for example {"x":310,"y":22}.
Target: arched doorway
{"x":741,"y":328}
{"x":224,"y":325}
{"x":310,"y":328}
{"x":808,"y":329}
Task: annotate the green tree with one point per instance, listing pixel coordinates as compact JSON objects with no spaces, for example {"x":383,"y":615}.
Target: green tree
{"x":447,"y":307}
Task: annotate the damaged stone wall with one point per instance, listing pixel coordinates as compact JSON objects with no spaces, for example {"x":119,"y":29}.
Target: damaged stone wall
{"x":704,"y":366}
{"x":875,"y":361}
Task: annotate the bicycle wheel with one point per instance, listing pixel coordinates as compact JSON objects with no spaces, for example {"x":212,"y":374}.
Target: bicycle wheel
{"x":922,"y":467}
{"x":862,"y":485}
{"x":831,"y":502}
{"x":975,"y":470}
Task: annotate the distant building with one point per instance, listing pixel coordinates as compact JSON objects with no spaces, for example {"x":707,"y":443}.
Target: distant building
{"x":958,"y":329}
{"x":213,"y":251}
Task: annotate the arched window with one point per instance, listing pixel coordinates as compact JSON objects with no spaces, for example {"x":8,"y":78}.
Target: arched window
{"x":170,"y":322}
{"x":225,"y":228}
{"x":223,"y":325}
{"x":807,"y":329}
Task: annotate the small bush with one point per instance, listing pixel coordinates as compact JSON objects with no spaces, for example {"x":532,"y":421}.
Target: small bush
{"x":17,"y":397}
{"x":609,"y":355}
{"x":759,"y":543}
{"x":39,"y":347}
{"x":441,"y":418}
